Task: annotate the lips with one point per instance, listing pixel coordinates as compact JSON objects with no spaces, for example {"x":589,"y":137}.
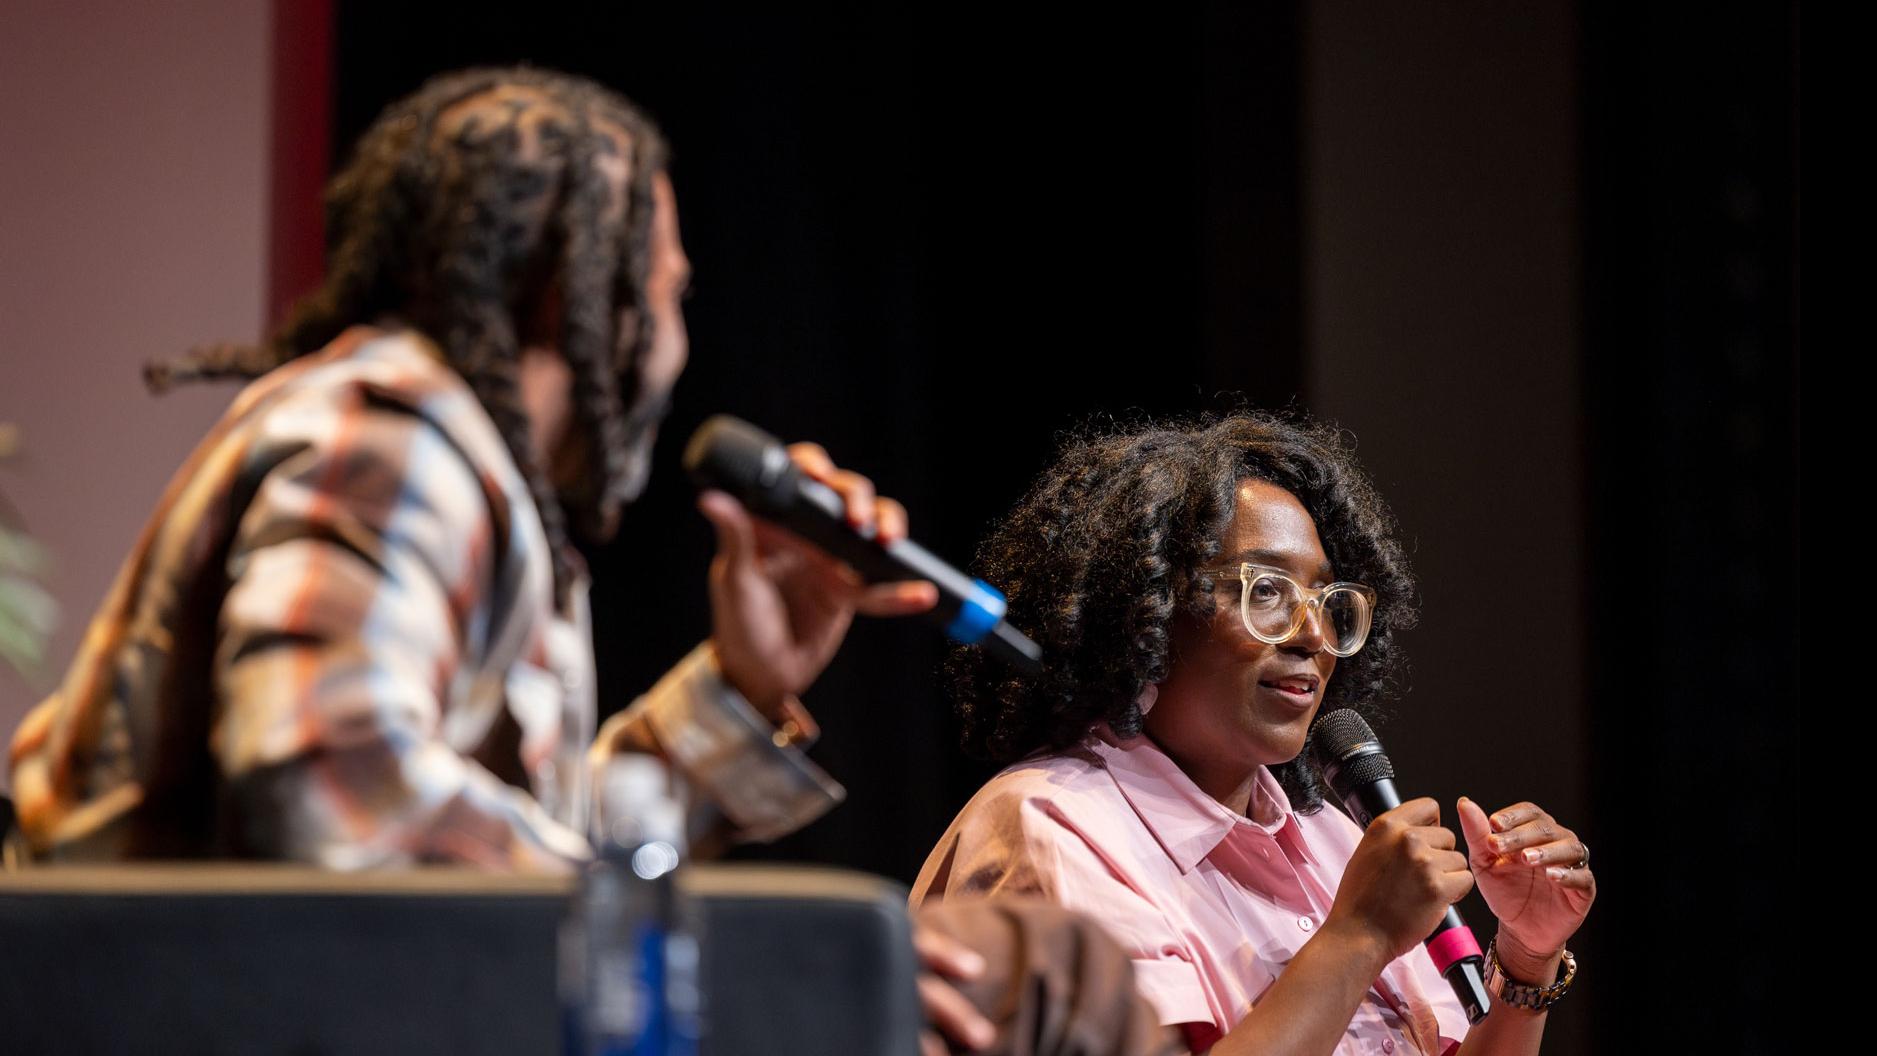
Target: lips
{"x":1300,"y":686}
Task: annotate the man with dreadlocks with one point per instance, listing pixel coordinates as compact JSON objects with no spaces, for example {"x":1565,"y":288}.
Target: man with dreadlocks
{"x":354,"y":632}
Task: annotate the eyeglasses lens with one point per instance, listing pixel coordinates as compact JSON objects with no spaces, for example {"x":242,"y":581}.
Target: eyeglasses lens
{"x":1346,"y":619}
{"x":1271,"y":605}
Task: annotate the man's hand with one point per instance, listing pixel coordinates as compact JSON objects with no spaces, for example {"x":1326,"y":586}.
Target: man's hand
{"x":949,"y":1014}
{"x":780,"y":607}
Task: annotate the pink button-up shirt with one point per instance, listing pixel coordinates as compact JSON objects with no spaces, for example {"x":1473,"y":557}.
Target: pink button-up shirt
{"x":1211,"y":905}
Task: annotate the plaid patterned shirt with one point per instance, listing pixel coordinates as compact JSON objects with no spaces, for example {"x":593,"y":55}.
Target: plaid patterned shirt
{"x":336,"y":642}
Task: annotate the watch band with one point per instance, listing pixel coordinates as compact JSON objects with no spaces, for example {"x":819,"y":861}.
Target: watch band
{"x":1519,"y":995}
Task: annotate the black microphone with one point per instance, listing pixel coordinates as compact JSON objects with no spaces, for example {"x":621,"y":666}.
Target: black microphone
{"x":1351,"y":758}
{"x":734,"y":456}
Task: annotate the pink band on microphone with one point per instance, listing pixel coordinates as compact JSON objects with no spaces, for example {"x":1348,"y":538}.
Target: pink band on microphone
{"x":1453,"y":945}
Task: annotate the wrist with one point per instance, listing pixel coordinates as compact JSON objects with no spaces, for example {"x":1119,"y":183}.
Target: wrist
{"x":1511,"y":992}
{"x":1525,"y":964}
{"x":780,"y":708}
{"x":1360,"y":944}
{"x":766,"y":697}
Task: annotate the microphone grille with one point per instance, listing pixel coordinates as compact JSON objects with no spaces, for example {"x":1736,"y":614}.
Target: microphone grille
{"x":730,"y":453}
{"x":1347,"y":751}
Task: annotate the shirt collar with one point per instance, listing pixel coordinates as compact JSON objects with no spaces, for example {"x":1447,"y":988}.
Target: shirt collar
{"x":1188,"y":823}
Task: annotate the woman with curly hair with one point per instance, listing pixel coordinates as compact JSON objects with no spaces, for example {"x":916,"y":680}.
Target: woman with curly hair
{"x":1194,"y":589}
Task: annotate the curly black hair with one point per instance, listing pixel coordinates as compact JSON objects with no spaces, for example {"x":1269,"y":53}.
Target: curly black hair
{"x":461,"y":206}
{"x":1106,"y":551}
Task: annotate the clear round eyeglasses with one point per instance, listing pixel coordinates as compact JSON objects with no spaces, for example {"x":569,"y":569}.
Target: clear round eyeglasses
{"x":1274,"y":607}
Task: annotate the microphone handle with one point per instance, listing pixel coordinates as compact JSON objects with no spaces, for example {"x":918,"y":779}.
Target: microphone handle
{"x":968,"y":610}
{"x":1452,"y":945}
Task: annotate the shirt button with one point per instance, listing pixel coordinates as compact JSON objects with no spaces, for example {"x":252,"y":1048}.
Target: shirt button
{"x":1305,"y":923}
{"x":1388,"y":1045}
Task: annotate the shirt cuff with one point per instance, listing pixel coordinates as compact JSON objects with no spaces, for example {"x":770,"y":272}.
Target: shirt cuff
{"x":1174,"y":988}
{"x":757,"y":776}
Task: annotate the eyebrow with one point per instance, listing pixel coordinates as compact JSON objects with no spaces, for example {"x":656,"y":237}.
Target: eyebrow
{"x":1280,"y":559}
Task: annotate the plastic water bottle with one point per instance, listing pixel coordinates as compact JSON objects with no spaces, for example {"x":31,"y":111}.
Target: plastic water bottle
{"x":628,"y":955}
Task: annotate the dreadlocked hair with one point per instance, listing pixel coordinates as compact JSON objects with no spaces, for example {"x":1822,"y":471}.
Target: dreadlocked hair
{"x":461,"y":207}
{"x":1106,"y":551}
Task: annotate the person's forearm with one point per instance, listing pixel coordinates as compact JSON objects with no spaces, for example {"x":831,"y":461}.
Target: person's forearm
{"x":1509,"y":1031}
{"x":1307,"y":1010}
{"x":738,"y":765}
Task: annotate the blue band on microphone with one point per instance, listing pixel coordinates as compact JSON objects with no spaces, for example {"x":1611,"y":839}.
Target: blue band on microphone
{"x":981,"y":610}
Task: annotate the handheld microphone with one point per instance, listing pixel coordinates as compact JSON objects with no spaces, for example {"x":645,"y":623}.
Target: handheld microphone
{"x":734,"y":456}
{"x":1351,"y":758}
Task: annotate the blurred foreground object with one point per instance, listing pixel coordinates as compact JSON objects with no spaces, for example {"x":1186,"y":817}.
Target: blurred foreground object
{"x":255,"y":959}
{"x":628,"y":978}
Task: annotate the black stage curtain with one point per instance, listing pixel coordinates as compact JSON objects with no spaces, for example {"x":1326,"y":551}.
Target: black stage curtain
{"x":1691,"y":124}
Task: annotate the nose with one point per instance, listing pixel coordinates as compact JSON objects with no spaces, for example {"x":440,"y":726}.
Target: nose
{"x":1309,"y":636}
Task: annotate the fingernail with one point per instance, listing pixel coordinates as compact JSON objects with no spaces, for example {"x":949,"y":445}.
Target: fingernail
{"x":1498,"y":822}
{"x":1532,"y":854}
{"x":1554,"y":873}
{"x":982,"y":1034}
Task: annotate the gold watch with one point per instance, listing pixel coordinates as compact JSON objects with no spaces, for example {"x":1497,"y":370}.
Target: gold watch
{"x":1518,"y":995}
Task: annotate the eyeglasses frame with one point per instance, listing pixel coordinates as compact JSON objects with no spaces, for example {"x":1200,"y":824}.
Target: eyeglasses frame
{"x":1312,"y":600}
